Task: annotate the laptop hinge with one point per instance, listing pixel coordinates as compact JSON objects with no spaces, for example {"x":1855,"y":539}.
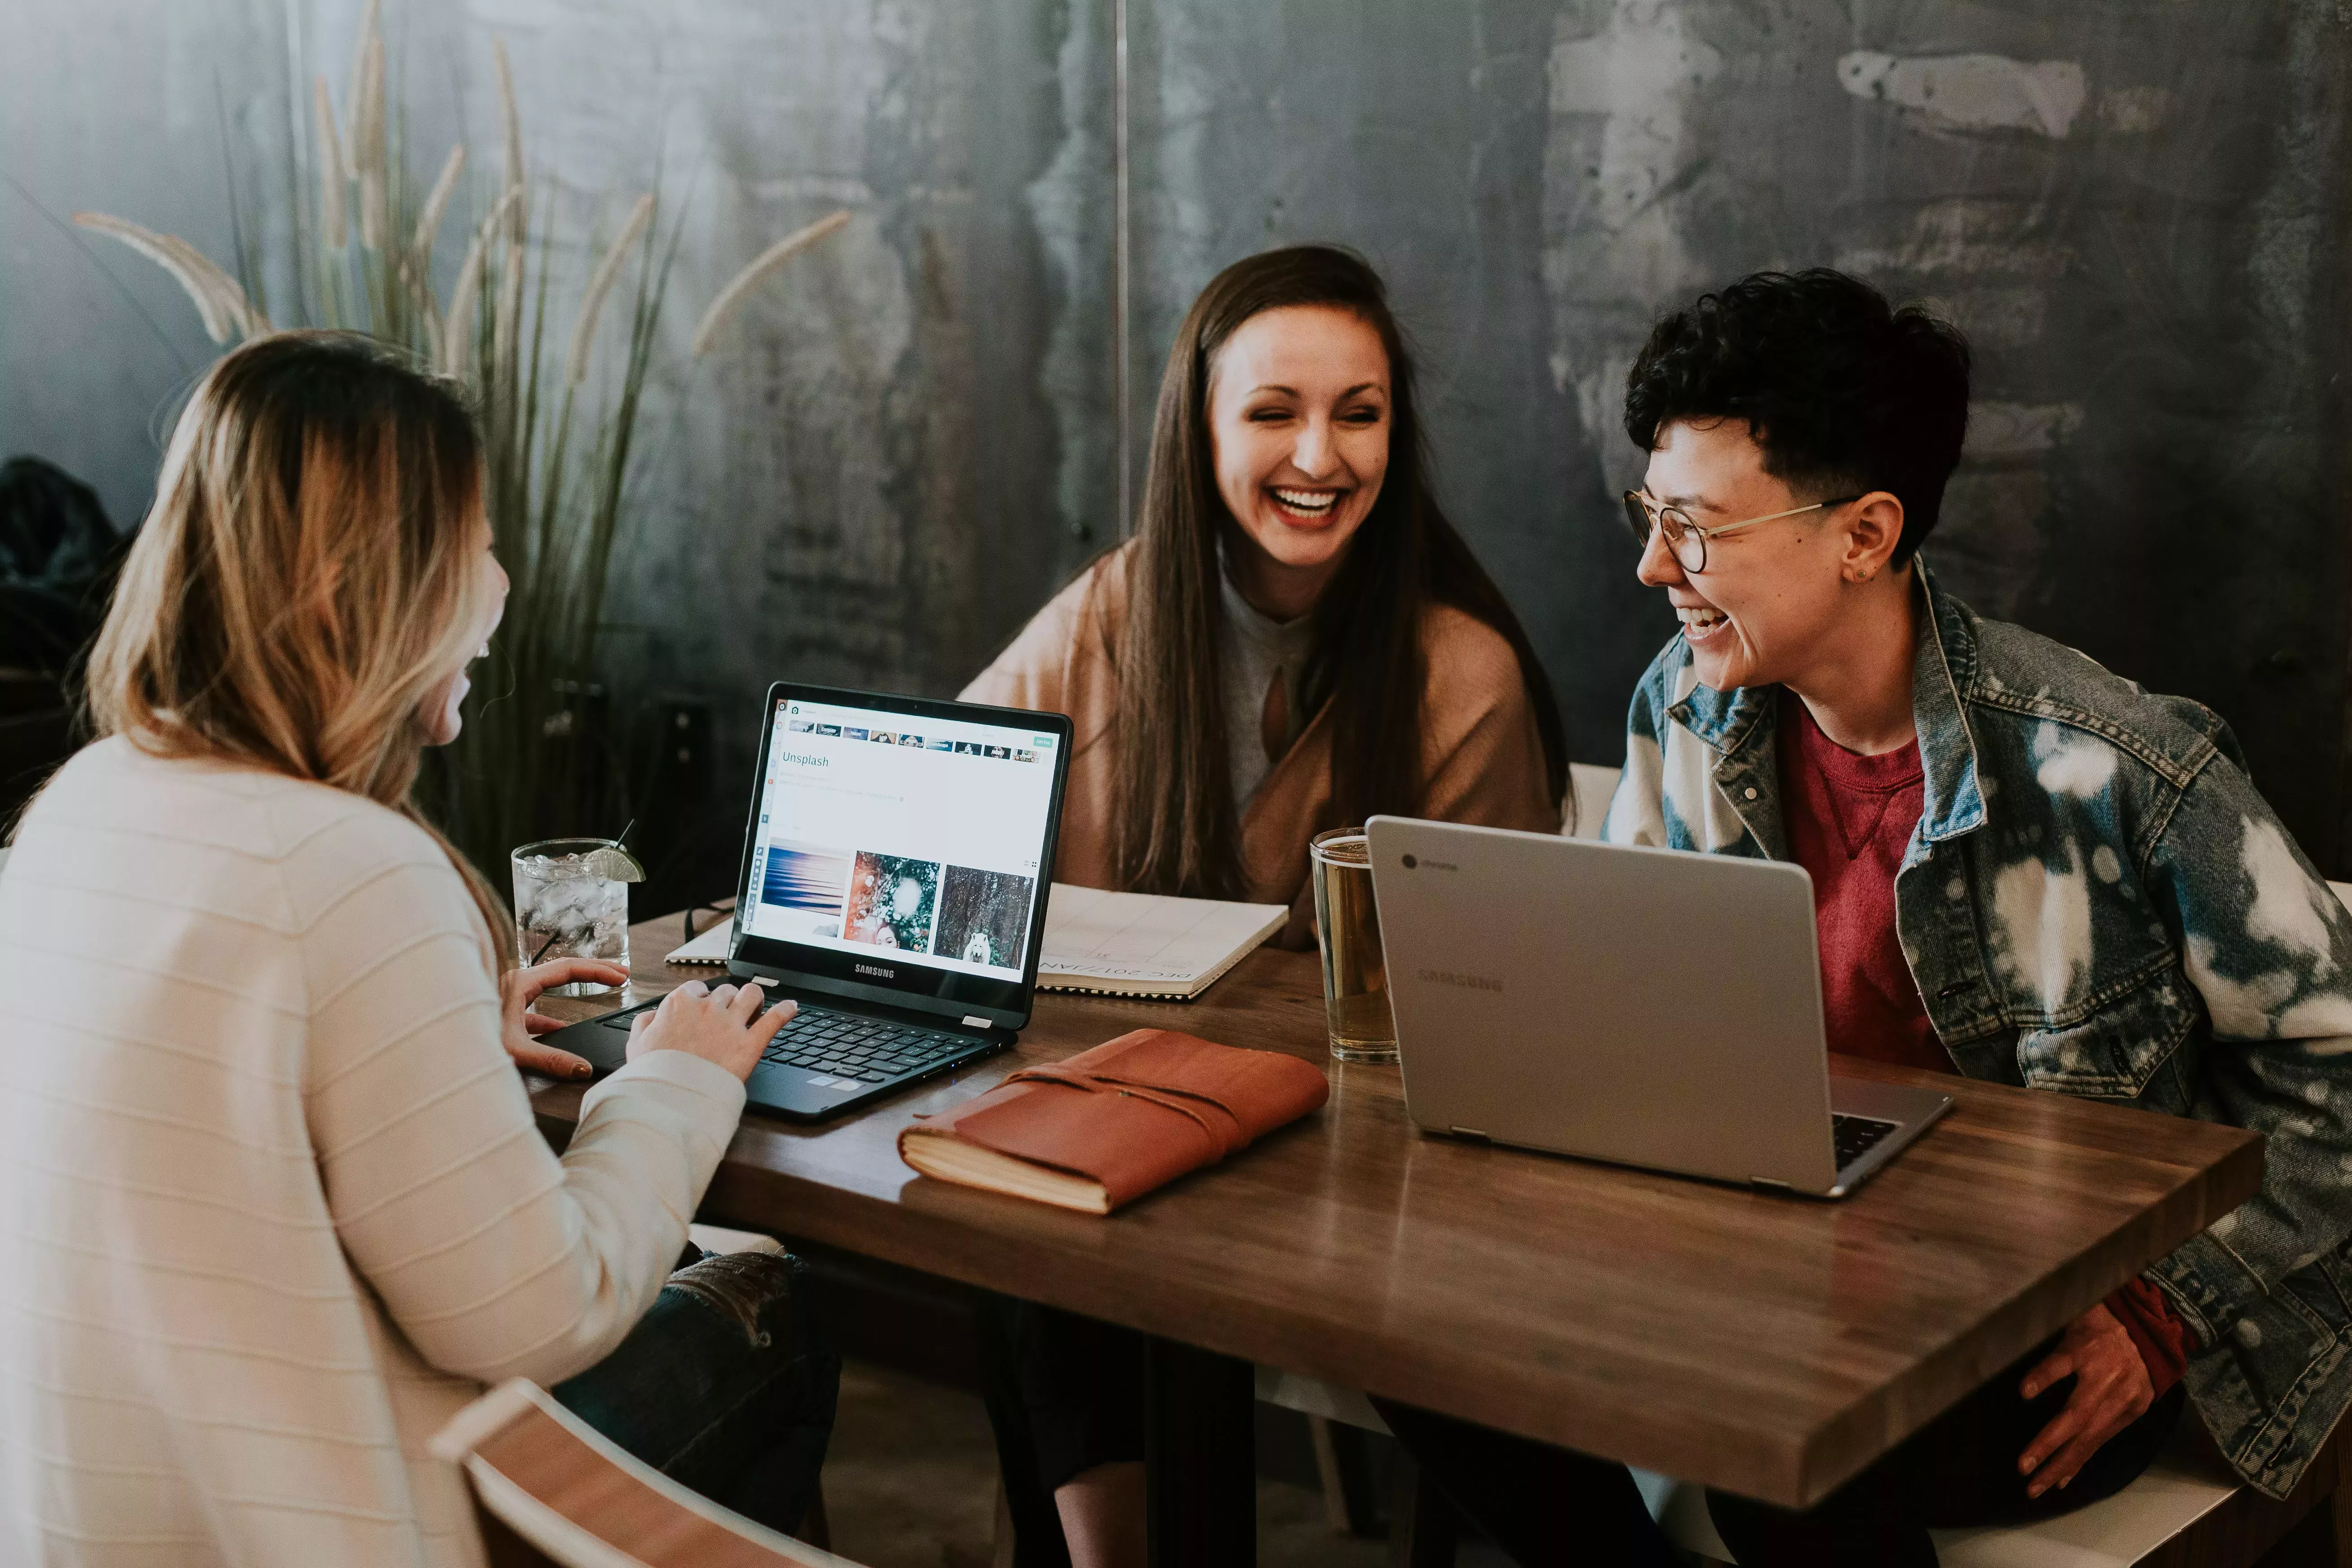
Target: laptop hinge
{"x":1768,"y":1181}
{"x":1470,"y":1133}
{"x":973,"y":1021}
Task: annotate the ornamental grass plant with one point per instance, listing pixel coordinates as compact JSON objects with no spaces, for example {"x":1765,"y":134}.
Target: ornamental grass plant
{"x":534,"y":760}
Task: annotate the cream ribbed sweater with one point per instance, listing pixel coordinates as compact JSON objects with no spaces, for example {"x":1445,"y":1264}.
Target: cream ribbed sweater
{"x":272,"y":1204}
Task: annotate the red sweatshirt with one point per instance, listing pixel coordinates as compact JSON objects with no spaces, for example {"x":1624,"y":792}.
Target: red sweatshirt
{"x":1849,"y":819}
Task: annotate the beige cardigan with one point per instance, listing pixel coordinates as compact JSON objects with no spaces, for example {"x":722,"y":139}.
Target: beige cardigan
{"x":1480,"y":747}
{"x":272,"y":1203}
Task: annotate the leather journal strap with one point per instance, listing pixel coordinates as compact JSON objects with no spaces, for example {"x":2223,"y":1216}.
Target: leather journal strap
{"x":1218,"y":1122}
{"x":1137,"y":1111}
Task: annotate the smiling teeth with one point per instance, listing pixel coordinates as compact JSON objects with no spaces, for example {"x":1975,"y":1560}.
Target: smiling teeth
{"x":1701,"y":620}
{"x":1306,"y":500}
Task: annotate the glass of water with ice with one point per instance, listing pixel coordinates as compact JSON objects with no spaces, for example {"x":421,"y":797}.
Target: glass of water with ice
{"x":571,"y":900}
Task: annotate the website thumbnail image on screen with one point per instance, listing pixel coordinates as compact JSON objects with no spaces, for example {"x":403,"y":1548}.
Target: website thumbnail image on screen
{"x":879,"y":829}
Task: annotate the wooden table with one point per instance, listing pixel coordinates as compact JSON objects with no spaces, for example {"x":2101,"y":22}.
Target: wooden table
{"x":1767,"y":1344}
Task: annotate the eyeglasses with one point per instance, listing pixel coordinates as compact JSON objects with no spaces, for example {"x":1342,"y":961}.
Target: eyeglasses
{"x":1685,"y":538}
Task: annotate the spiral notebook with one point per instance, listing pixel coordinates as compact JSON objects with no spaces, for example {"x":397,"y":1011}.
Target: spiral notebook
{"x":1146,"y":944}
{"x":711,"y":947}
{"x":1112,"y":944}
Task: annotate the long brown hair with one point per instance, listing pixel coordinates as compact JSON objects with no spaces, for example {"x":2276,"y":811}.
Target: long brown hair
{"x":307,"y":575}
{"x":1179,"y":827}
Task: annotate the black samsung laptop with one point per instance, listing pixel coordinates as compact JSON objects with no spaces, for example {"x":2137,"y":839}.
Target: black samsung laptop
{"x":894,"y":882}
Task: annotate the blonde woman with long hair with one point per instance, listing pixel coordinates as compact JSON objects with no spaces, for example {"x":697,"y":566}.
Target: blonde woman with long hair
{"x":272,"y":1202}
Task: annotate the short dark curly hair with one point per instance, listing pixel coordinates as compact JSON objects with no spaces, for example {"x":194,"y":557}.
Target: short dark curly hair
{"x":1843,"y":392}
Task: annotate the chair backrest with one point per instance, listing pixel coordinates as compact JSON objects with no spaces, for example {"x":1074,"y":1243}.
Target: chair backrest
{"x":578,"y":1500}
{"x":1589,"y":789}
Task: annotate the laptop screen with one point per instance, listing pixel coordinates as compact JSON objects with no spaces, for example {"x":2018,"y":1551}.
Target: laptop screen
{"x":900,"y":842}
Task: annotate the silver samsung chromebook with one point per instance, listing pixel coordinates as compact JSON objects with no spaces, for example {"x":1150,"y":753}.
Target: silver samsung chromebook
{"x":1651,"y":1007}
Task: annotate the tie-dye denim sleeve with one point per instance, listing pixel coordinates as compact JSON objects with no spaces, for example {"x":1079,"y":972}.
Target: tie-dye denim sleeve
{"x":2268,"y":947}
{"x":1637,"y":809}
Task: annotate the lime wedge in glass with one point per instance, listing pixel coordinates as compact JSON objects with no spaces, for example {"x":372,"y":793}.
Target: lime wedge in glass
{"x":613,"y":864}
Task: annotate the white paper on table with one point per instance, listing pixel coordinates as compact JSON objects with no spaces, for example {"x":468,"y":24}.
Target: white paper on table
{"x":1138,"y":939}
{"x":1135,"y":941}
{"x":711,"y":947}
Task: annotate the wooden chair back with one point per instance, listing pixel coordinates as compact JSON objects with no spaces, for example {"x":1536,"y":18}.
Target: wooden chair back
{"x":549,"y":1489}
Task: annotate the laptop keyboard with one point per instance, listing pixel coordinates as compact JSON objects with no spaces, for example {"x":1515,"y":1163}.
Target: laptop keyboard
{"x":871,"y":1050}
{"x":847,"y":1044}
{"x":1857,"y":1135}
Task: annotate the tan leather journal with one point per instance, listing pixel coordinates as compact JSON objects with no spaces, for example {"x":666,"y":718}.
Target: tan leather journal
{"x":1114,"y":1122}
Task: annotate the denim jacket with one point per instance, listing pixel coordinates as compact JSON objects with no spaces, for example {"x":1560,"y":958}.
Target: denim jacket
{"x":2096,"y":901}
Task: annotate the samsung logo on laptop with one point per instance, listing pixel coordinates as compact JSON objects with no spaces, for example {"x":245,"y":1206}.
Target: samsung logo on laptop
{"x":1467,"y":982}
{"x":879,"y":972}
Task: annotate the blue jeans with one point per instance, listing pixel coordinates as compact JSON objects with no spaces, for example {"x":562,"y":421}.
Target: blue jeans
{"x":725,"y":1386}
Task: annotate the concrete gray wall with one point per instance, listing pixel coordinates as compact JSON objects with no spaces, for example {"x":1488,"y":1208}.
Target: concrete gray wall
{"x":898,"y":441}
{"x":913,"y":437}
{"x":126,"y":107}
{"x":2134,"y":211}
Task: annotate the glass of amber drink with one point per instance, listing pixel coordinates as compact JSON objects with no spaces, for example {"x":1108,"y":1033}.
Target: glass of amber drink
{"x":1347,"y":927}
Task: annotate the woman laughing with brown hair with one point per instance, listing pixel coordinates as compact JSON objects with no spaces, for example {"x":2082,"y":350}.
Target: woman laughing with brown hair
{"x":1296,"y":639}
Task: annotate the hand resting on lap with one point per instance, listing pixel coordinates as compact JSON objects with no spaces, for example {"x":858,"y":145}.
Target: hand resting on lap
{"x":2111,"y":1390}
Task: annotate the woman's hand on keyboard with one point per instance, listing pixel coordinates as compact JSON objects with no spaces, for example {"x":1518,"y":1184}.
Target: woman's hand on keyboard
{"x":519,"y":988}
{"x":717,"y":1026}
